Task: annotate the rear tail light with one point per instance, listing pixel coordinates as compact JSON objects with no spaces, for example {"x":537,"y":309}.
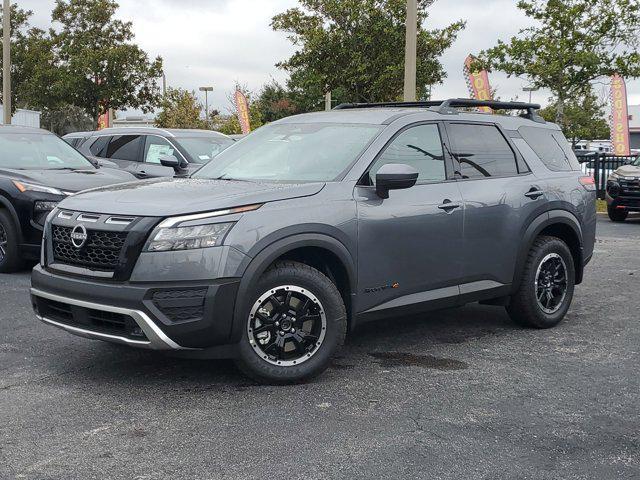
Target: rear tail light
{"x":588,"y":182}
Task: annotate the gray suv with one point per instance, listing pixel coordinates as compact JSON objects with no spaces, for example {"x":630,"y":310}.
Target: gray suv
{"x":318,"y":223}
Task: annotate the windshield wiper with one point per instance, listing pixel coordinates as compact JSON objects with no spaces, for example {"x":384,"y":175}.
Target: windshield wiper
{"x":224,"y":177}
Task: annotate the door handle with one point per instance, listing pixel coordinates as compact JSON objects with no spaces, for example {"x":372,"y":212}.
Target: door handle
{"x":448,"y":206}
{"x":534,"y":194}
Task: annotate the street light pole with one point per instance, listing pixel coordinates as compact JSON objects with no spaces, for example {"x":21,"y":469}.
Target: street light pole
{"x":530,"y":90}
{"x":6,"y":61}
{"x":411,"y":45}
{"x":206,"y":91}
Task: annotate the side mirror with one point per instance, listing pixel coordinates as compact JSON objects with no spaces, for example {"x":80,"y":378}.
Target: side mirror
{"x":172,"y":162}
{"x":395,"y":176}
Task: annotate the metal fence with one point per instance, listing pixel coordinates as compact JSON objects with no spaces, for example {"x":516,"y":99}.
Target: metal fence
{"x":600,"y":165}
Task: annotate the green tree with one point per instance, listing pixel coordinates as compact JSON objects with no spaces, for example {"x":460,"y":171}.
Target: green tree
{"x":583,"y":118}
{"x":355,"y":48}
{"x":573,"y":43}
{"x":103,"y":68}
{"x":35,"y":77}
{"x":66,"y":118}
{"x":275,"y":102}
{"x":180,"y":109}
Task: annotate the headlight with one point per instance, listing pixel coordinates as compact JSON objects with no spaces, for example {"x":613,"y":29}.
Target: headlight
{"x":188,"y":238}
{"x":32,"y":187}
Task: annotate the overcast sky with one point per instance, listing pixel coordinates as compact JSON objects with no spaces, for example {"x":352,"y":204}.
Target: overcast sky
{"x":219,"y":42}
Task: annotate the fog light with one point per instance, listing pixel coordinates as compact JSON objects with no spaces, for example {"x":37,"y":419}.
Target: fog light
{"x":45,"y":206}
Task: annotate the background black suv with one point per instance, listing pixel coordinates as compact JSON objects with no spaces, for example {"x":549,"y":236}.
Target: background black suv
{"x":37,"y":170}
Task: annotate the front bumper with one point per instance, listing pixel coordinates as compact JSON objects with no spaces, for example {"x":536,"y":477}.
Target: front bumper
{"x":154,"y":315}
{"x":629,"y":203}
{"x":154,"y":337}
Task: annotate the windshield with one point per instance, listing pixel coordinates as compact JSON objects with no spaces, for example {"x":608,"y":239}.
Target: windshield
{"x":203,"y":149}
{"x":37,"y":151}
{"x":287,"y":152}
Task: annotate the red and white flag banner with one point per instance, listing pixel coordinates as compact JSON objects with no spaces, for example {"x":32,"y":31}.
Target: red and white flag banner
{"x":477,"y":83}
{"x":619,"y":116}
{"x":242,"y":110}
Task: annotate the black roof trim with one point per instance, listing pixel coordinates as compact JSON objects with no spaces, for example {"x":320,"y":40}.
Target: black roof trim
{"x":448,"y":107}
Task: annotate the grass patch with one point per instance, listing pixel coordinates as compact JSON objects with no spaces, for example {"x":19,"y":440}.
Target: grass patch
{"x":601,"y":206}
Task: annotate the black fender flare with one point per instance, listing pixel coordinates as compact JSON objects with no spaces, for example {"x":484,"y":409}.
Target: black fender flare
{"x":259,"y":262}
{"x":6,"y":204}
{"x":537,"y":225}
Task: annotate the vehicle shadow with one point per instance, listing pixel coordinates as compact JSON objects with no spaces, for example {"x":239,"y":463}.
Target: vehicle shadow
{"x":402,"y":341}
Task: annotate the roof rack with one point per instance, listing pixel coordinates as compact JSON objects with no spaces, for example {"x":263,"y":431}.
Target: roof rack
{"x":448,"y":107}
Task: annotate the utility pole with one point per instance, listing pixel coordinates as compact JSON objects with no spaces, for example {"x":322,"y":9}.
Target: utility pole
{"x":327,"y":101}
{"x":410,"y":56}
{"x":164,"y":84}
{"x":6,"y":61}
{"x":206,"y":91}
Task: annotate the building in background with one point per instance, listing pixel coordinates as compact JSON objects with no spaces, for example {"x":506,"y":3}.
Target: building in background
{"x":133,"y":121}
{"x":634,"y":126}
{"x":22,"y":117}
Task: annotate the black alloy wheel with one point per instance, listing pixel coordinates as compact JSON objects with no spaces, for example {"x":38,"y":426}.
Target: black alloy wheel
{"x":551,"y":283}
{"x":287,"y":325}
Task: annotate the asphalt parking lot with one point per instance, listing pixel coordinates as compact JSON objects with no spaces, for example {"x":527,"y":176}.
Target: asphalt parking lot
{"x":454,"y":394}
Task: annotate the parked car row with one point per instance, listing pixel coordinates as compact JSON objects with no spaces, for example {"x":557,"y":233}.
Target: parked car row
{"x":151,"y":152}
{"x":312,"y":226}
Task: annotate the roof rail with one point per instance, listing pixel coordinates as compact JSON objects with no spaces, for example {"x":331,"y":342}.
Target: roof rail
{"x":448,"y":107}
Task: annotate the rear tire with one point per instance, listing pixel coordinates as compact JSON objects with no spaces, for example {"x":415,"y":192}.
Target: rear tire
{"x":10,"y":260}
{"x":547,"y":285}
{"x":294,"y":321}
{"x":617,"y":215}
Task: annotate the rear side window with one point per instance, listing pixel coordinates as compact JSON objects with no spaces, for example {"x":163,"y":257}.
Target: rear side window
{"x":552,"y":148}
{"x":99,"y":147}
{"x":481,"y":151}
{"x":125,"y":147}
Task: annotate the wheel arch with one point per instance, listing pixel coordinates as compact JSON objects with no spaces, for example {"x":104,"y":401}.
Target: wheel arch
{"x":5,"y":204}
{"x":319,"y":250}
{"x":556,"y":223}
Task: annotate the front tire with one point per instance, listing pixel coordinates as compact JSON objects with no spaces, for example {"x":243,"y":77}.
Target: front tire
{"x":616,"y":214}
{"x":547,"y":285}
{"x":10,"y":260}
{"x":295,"y":320}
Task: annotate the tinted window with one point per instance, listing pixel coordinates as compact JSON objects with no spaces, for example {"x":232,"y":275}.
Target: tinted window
{"x":481,"y":151}
{"x":552,"y":147}
{"x":99,"y":147}
{"x":419,"y":147}
{"x":124,"y":147}
{"x":157,"y":147}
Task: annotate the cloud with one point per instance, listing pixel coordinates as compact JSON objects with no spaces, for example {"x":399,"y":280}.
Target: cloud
{"x":219,"y":42}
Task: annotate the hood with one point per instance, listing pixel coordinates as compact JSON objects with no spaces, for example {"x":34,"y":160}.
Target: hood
{"x":70,"y":180}
{"x":163,"y":197}
{"x":628,"y":171}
